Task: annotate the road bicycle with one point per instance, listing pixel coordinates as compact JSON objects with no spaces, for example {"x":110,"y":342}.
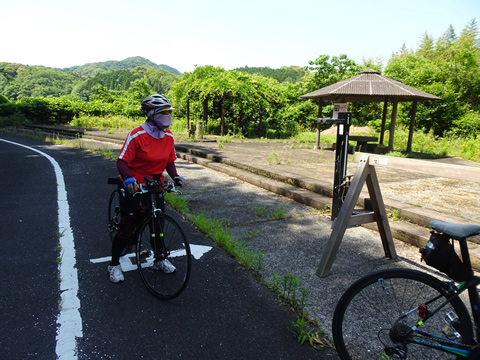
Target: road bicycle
{"x":409,"y":314}
{"x":158,"y":237}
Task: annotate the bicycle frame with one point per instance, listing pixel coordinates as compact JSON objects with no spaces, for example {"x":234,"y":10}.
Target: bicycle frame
{"x":444,"y":344}
{"x":155,"y":227}
{"x":151,"y":215}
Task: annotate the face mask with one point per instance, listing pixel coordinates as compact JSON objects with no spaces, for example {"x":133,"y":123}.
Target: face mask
{"x":162,"y":121}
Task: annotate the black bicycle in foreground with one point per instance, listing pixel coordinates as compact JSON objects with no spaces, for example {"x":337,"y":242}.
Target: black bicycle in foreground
{"x":158,"y":237}
{"x":409,"y":314}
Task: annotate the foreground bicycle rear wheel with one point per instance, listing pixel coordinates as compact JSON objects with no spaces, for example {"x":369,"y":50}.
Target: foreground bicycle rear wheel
{"x":114,"y":216}
{"x":167,"y":242}
{"x":374,"y":315}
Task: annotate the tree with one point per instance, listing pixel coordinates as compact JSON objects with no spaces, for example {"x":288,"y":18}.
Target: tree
{"x":449,"y":69}
{"x":330,"y":70}
{"x":426,"y":47}
{"x":241,"y":101}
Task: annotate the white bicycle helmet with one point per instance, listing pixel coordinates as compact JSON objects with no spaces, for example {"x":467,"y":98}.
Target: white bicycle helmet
{"x":155,"y":104}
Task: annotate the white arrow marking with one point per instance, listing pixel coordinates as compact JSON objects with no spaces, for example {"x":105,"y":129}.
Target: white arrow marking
{"x":128,"y":261}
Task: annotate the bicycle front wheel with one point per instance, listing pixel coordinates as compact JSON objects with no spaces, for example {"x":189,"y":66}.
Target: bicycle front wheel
{"x":162,"y":239}
{"x":114,"y":216}
{"x":379,"y":317}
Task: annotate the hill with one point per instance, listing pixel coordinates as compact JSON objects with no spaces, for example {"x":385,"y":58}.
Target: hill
{"x":290,"y":74}
{"x":92,"y":69}
{"x":37,"y":81}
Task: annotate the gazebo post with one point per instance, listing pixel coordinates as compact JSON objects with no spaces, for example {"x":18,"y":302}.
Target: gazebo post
{"x":392,"y":125}
{"x":384,"y":121}
{"x":222,"y":116}
{"x":205,"y":111}
{"x":188,"y":117}
{"x":320,"y":109}
{"x":412,"y":126}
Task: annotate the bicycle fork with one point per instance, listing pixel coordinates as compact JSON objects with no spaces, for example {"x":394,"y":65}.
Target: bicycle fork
{"x":157,"y":237}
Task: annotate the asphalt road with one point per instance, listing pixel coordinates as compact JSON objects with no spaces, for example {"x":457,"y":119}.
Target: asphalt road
{"x":224,"y":312}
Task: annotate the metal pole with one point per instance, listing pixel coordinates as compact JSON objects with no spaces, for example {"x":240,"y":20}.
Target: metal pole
{"x":341,"y":157}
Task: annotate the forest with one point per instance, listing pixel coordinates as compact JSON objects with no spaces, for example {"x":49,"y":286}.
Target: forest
{"x":254,"y":102}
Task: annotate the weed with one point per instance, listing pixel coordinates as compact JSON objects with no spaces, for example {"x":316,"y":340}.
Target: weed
{"x":219,"y":233}
{"x":278,"y":214}
{"x":105,"y":152}
{"x":251,"y":234}
{"x":395,"y":214}
{"x":273,"y":159}
{"x":300,"y":329}
{"x":60,"y":305}
{"x":259,"y":210}
{"x":178,"y":202}
{"x":288,"y":289}
{"x":304,"y":328}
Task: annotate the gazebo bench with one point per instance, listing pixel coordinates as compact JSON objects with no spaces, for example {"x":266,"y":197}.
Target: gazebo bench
{"x":363,"y":141}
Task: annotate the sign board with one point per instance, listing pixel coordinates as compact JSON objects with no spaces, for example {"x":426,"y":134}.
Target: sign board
{"x":338,"y":108}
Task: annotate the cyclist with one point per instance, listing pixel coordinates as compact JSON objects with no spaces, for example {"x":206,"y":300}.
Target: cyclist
{"x":148,"y":151}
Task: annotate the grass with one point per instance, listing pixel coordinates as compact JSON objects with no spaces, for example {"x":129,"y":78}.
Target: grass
{"x":304,"y":328}
{"x":112,"y":123}
{"x":427,"y":145}
{"x":218,"y":232}
{"x":277,"y":214}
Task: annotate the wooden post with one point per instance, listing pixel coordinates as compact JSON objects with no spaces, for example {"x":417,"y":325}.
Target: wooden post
{"x":412,"y":126}
{"x":188,"y":117}
{"x":392,"y":125}
{"x":384,"y":121}
{"x":319,"y":115}
{"x":205,"y":111}
{"x":222,"y":115}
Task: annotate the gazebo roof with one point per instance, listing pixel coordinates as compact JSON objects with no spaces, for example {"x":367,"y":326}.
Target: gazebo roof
{"x":369,"y":85}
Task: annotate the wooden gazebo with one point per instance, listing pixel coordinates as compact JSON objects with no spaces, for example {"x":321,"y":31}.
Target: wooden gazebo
{"x":370,"y":86}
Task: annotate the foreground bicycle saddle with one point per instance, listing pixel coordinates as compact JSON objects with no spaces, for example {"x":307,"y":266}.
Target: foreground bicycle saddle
{"x":456,"y":231}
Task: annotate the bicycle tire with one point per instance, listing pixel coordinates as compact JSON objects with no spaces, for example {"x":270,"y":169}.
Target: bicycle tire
{"x":175,"y":249}
{"x":366,"y":316}
{"x":114,"y":215}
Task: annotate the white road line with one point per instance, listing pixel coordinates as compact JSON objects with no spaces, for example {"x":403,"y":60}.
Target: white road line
{"x":69,"y":321}
{"x":128,"y":261}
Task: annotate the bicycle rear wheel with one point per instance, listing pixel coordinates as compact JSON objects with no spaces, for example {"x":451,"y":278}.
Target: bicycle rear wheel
{"x":114,"y":216}
{"x":376,"y":312}
{"x":168,"y":242}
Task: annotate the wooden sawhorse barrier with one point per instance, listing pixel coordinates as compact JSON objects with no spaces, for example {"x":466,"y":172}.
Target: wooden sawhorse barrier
{"x":346,"y":218}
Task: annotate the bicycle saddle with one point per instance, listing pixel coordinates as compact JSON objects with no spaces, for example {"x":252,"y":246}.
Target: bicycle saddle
{"x":456,"y":231}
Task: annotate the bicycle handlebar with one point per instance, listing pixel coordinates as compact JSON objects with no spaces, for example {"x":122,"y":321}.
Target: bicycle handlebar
{"x":153,"y":185}
{"x":149,"y":185}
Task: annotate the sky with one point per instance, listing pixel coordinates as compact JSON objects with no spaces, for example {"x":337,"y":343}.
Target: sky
{"x":230,"y":34}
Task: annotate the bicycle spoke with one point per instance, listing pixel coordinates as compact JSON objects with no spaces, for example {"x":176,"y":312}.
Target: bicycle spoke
{"x":114,"y":216}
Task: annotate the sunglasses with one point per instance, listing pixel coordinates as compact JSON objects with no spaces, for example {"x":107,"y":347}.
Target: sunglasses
{"x":164,"y":112}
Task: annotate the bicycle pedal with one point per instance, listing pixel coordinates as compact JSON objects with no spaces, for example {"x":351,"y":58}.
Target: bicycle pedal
{"x":145,"y":254}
